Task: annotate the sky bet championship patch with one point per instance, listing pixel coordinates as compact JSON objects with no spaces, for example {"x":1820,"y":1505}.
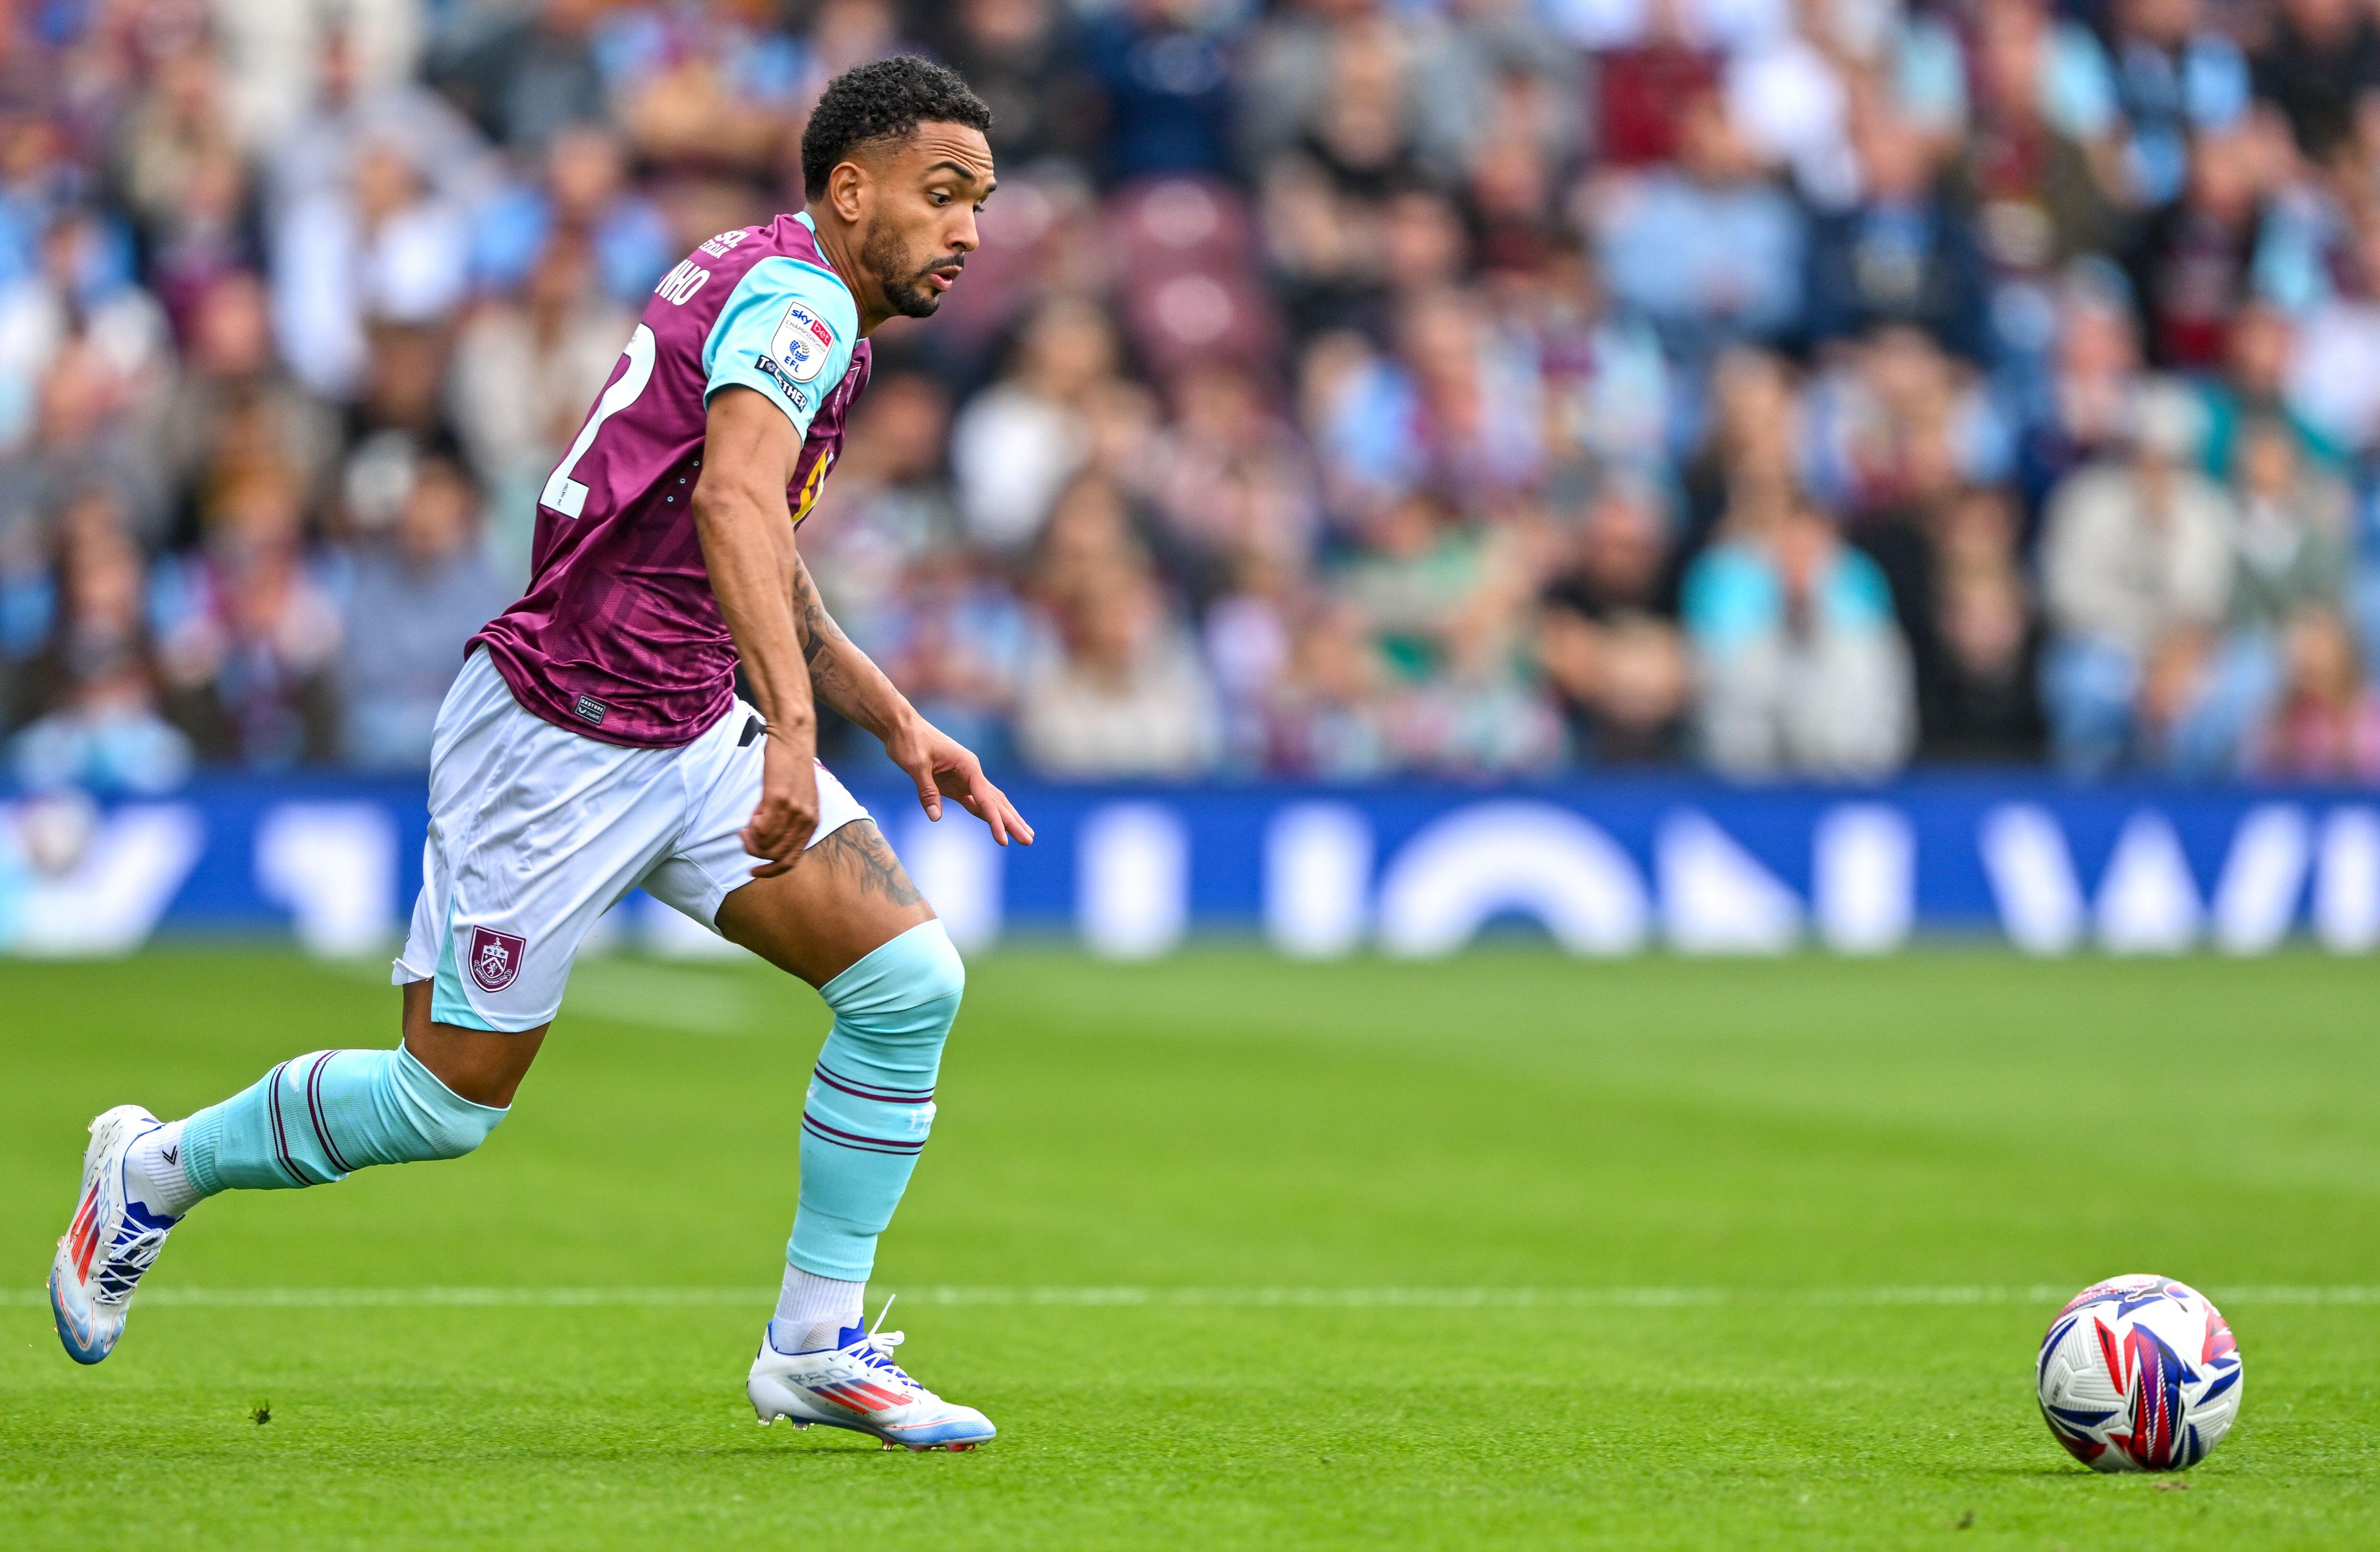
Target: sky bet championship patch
{"x":802,"y":343}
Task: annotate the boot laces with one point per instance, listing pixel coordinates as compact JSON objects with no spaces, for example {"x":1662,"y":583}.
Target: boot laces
{"x":875,"y":1350}
{"x":119,"y":1270}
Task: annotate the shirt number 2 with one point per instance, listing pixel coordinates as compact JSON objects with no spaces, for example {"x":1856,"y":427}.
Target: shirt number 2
{"x":564,"y":494}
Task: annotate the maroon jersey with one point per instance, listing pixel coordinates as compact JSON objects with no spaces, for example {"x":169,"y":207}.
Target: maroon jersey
{"x":619,"y":636}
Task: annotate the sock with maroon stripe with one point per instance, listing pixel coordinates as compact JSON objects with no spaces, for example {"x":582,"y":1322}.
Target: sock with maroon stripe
{"x":324,"y":1115}
{"x":871,"y":1100}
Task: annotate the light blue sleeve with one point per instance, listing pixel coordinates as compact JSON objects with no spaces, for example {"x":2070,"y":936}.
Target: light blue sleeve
{"x":786,"y":333}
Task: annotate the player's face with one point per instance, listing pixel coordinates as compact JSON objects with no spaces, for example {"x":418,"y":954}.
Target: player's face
{"x":922,"y":228}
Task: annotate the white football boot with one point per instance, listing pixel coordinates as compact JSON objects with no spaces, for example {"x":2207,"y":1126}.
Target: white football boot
{"x":111,"y":1241}
{"x":857,"y":1385}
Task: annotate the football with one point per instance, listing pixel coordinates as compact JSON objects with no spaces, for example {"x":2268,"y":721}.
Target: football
{"x":2139,"y":1372}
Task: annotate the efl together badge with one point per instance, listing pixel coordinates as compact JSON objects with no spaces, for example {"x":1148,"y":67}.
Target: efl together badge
{"x":495,"y":958}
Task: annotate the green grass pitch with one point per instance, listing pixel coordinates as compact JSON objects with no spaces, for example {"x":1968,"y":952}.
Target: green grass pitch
{"x":1510,"y":1250}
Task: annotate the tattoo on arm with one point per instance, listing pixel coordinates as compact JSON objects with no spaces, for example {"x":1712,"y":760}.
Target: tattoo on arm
{"x":841,"y":675}
{"x":859,"y":852}
{"x":823,"y":643}
{"x":818,"y":629}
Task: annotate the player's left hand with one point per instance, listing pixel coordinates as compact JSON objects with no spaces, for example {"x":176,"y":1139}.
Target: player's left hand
{"x":943,"y":767}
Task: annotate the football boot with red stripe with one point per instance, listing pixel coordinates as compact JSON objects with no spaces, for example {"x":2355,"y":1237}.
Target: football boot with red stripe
{"x":857,"y":1385}
{"x":110,"y":1244}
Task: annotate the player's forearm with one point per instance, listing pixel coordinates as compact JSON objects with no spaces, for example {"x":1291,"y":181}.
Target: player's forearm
{"x":841,"y":675}
{"x":748,"y":550}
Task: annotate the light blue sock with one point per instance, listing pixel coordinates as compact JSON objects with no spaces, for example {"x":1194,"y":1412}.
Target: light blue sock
{"x":871,"y":1100}
{"x":323,"y":1116}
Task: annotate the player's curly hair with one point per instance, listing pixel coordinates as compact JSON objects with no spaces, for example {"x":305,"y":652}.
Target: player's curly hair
{"x":884,"y":99}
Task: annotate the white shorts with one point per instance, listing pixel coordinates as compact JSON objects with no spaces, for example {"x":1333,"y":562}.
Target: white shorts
{"x":536,"y":831}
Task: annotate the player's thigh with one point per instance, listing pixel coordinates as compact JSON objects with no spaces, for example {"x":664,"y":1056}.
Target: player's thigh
{"x":846,"y":898}
{"x":484,"y":1066}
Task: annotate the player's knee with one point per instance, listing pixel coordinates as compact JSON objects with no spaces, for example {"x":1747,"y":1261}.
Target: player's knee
{"x":445,"y":1124}
{"x":940,"y":977}
{"x":453,"y":1135}
{"x":907,"y":987}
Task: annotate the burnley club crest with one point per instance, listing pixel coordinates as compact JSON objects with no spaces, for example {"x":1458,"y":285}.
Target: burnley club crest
{"x":495,"y":958}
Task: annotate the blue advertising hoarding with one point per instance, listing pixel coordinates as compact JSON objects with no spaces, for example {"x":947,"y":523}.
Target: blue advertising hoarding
{"x":1610,"y":866}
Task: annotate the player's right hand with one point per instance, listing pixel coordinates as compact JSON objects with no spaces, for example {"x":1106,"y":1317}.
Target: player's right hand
{"x":788,"y":812}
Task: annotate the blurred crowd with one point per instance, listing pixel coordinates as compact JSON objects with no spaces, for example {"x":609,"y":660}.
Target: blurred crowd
{"x":1344,"y":387}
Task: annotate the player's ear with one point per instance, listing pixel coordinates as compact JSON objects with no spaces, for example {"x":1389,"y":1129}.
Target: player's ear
{"x":845,"y":188}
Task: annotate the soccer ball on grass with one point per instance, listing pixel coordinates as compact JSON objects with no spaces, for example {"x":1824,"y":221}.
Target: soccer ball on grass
{"x":2139,"y":1372}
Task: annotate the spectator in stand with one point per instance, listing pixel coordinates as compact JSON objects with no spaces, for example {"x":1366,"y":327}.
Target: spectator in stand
{"x":1116,"y":689}
{"x":1502,"y":88}
{"x":1457,"y":408}
{"x":388,"y":248}
{"x":2334,"y":379}
{"x":2040,"y":157}
{"x":1752,"y":458}
{"x":2324,"y":725}
{"x":1902,"y":253}
{"x":2290,"y":556}
{"x":1611,"y":400}
{"x":1165,"y":72}
{"x":298,"y":76}
{"x":1016,"y":444}
{"x":1329,"y":716}
{"x":1711,"y":253}
{"x":187,"y":181}
{"x":89,"y":697}
{"x":1979,"y":650}
{"x":415,"y":598}
{"x":235,"y":403}
{"x":398,"y":419}
{"x":1896,"y":425}
{"x":957,"y":643}
{"x":1342,"y":81}
{"x":2291,"y":539}
{"x":1651,"y":59}
{"x":2176,"y":78}
{"x":2260,"y":342}
{"x":1800,"y":667}
{"x":2194,"y":259}
{"x":1420,"y":571}
{"x":87,"y":430}
{"x":80,"y":296}
{"x":356,"y":95}
{"x":1485,"y":714}
{"x":584,"y":204}
{"x":2319,"y":63}
{"x":1245,"y":638}
{"x":708,"y":87}
{"x":526,"y":73}
{"x":1608,"y":639}
{"x":1789,"y":93}
{"x":2083,"y":407}
{"x":248,"y":631}
{"x":1022,"y":58}
{"x":1230,"y":481}
{"x":2137,"y":567}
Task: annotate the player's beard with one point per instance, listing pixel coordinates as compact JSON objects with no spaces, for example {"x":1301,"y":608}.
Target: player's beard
{"x":903,"y":287}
